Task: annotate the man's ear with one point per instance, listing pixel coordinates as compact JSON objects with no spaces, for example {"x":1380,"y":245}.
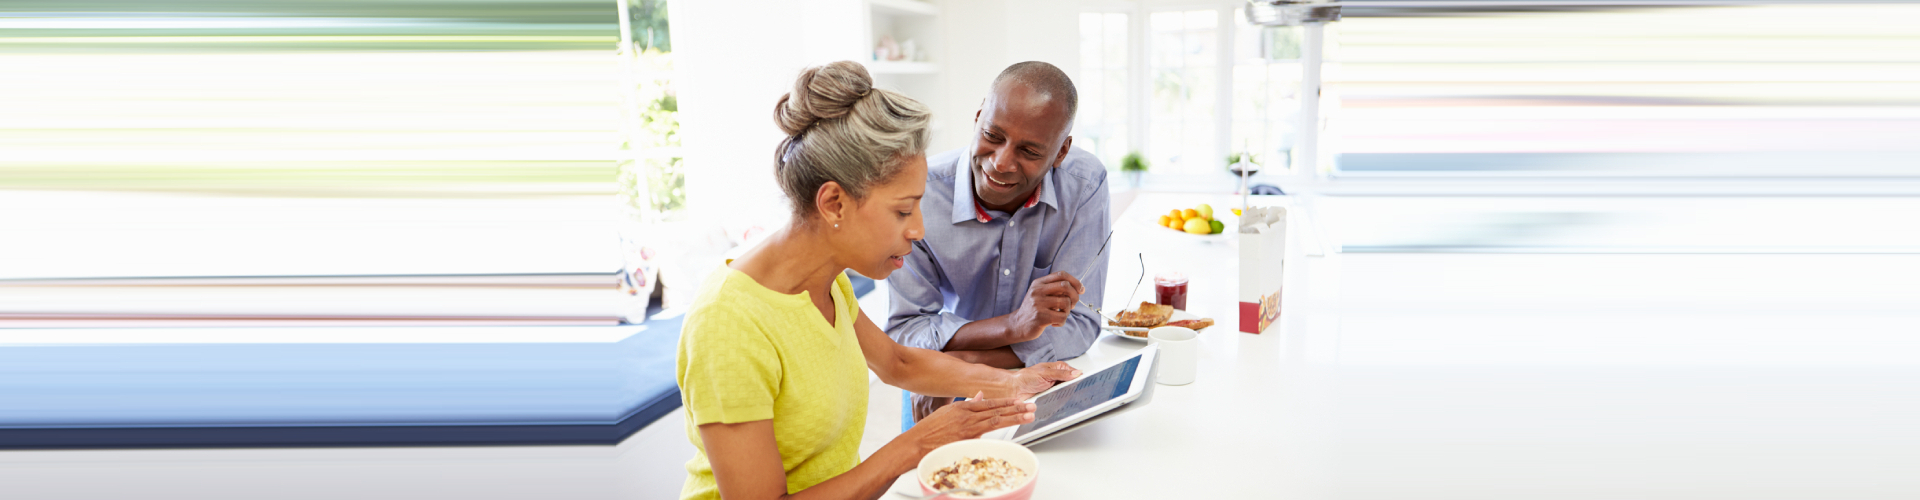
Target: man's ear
{"x":1066,"y":145}
{"x":831,"y":202}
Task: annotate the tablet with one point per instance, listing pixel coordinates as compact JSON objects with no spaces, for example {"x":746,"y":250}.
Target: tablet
{"x":1092,"y":395}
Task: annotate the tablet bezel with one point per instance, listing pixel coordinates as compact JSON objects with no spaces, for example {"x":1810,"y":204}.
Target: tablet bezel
{"x":1142,"y":375}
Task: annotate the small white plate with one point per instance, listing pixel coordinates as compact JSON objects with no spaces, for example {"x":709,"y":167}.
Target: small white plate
{"x":1121,"y":331}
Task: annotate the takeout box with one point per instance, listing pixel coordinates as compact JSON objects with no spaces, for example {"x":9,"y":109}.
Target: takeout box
{"x":1263,"y":244}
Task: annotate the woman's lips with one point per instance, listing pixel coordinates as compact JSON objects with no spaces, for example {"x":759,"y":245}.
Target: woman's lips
{"x":897,"y":262}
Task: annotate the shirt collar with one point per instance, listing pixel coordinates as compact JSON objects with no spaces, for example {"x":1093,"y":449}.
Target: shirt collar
{"x":963,"y":190}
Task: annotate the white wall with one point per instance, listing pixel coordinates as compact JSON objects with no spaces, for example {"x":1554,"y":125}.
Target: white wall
{"x":735,"y":58}
{"x":984,"y":37}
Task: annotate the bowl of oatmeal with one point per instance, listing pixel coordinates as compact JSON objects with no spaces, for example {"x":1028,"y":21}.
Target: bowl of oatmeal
{"x":1000,"y":470}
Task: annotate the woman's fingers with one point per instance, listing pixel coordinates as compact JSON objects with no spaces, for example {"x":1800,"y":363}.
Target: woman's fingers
{"x":1058,"y":370}
{"x":981,"y":422}
{"x":981,"y":405}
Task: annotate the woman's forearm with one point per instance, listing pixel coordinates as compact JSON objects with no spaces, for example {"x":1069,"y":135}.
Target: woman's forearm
{"x":934,"y":373}
{"x":873,"y":477}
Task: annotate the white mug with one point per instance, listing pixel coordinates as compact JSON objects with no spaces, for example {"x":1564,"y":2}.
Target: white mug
{"x":1179,"y":353}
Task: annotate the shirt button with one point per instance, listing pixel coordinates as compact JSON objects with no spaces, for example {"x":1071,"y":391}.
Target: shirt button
{"x":1005,"y":272}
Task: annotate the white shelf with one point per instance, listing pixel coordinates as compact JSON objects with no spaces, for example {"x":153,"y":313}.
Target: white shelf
{"x":902,"y":68}
{"x":904,"y":7}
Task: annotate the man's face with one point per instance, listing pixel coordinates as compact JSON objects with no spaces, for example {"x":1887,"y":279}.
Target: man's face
{"x":1018,"y":135}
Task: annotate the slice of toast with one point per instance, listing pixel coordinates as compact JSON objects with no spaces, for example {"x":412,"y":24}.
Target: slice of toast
{"x":1192,"y":324}
{"x":1148,"y":315}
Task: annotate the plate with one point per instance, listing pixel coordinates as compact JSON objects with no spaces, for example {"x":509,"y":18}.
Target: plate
{"x":1120,"y":331}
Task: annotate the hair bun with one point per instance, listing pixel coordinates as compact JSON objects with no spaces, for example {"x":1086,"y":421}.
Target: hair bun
{"x":822,"y":92}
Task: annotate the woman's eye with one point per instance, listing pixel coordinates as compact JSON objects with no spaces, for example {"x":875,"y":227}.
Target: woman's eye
{"x":905,"y":214}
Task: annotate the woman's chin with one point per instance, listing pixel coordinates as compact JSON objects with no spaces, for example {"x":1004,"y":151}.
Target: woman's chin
{"x":877,"y":272}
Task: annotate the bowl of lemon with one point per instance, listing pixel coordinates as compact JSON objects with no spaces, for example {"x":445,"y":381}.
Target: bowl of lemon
{"x":1198,"y":221}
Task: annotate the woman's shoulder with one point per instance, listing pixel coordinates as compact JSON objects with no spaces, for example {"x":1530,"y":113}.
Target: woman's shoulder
{"x":725,"y":299}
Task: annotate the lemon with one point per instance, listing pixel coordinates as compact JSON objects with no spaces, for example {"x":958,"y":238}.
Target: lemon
{"x":1206,"y":212}
{"x":1236,"y":212}
{"x":1198,"y":226}
{"x":1218,"y":227}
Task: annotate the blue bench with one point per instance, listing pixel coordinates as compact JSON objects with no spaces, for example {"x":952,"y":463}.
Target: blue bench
{"x":317,"y":387}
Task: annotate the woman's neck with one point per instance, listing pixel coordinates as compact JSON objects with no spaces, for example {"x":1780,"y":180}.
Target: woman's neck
{"x":791,"y":260}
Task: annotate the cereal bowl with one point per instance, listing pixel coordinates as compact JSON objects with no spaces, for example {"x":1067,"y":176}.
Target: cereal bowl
{"x":1012,"y":454}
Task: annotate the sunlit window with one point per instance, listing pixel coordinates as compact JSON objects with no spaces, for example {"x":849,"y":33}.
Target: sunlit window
{"x":283,"y":143}
{"x":1266,"y":79}
{"x":1101,"y":126}
{"x":1746,"y":90}
{"x":1183,"y":55}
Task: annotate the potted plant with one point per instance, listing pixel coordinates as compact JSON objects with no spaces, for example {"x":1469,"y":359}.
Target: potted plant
{"x":1133,"y":165}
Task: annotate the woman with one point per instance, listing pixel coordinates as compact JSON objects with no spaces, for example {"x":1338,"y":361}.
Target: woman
{"x":774,"y":352}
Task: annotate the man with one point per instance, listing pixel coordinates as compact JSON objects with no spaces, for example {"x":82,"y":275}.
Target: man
{"x":1013,"y":226}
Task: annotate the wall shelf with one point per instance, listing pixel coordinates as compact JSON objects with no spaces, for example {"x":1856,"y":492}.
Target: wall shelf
{"x":904,"y":7}
{"x":902,"y":68}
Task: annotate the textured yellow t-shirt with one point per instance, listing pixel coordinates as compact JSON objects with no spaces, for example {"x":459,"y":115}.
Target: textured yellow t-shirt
{"x":749,"y":353}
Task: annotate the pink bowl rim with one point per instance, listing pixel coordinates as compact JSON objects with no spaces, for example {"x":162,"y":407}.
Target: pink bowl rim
{"x":920,"y":473}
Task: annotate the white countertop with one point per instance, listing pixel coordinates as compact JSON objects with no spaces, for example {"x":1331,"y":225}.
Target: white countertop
{"x":1511,"y":376}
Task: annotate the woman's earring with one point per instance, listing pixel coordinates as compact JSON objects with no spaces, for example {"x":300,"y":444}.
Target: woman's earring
{"x":836,"y":226}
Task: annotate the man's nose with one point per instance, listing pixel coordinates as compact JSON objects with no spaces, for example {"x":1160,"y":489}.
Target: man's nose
{"x":999,"y":163}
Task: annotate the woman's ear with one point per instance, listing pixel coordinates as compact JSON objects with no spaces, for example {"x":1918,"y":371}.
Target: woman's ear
{"x":832,"y":203}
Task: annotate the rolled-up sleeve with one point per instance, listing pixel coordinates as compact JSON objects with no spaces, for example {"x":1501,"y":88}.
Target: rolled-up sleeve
{"x":1089,"y":232}
{"x":918,"y":317}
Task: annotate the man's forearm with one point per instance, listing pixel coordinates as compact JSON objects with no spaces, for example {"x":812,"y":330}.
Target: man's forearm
{"x":990,"y":333}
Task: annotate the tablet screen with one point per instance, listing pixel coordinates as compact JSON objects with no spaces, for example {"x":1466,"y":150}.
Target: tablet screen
{"x":1086,"y":393}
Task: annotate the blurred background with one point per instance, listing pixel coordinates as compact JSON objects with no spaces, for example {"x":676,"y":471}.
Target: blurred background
{"x":295,"y":161}
{"x":532,"y":151}
{"x":1531,"y":211}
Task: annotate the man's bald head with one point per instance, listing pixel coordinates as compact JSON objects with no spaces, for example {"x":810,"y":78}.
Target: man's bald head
{"x":1044,"y":80}
{"x":1020,"y":133}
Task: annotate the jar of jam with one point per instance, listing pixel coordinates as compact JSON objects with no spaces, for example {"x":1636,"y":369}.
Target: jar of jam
{"x":1170,"y":289}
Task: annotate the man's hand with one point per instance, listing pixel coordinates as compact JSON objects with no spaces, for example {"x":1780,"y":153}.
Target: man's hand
{"x":1038,"y":378}
{"x":1049,"y":300}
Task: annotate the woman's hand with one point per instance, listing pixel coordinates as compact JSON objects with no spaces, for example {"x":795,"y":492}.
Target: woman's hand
{"x":969,"y":419}
{"x":1037,"y":378}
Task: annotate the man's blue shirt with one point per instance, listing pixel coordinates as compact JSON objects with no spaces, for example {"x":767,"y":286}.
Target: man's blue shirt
{"x":968,"y":269}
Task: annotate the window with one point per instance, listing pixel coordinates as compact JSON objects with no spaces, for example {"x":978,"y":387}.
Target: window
{"x":1183,"y":58}
{"x":1734,"y":90}
{"x":1266,"y":81}
{"x":1186,"y":88}
{"x":447,"y":152}
{"x":1101,"y":126}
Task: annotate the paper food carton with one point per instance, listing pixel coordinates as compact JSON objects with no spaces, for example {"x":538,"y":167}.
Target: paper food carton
{"x":1263,"y":243}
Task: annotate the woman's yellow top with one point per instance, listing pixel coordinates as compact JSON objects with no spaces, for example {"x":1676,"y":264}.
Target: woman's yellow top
{"x":748,"y":353}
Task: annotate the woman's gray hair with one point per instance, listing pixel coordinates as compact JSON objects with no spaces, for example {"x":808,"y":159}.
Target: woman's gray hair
{"x":841,"y":129}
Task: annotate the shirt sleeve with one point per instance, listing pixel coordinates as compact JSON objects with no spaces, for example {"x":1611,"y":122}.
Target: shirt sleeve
{"x":1089,"y":232}
{"x":917,"y":317}
{"x":729,"y":370}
